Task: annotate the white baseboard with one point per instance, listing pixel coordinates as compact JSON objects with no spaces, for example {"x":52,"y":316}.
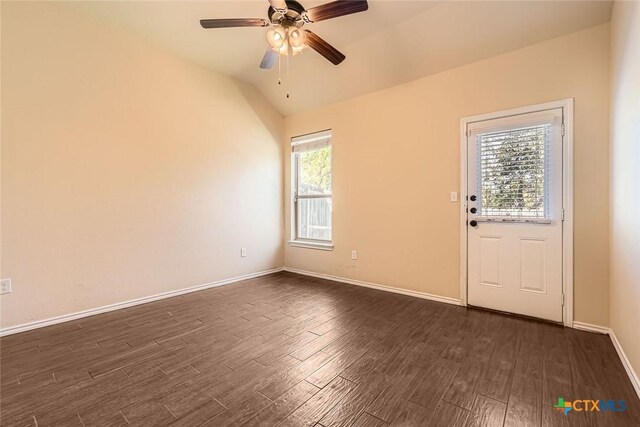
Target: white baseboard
{"x":591,"y":328}
{"x":111,"y":307}
{"x":635,"y":381}
{"x":626,"y":363}
{"x":385,"y":288}
{"x":91,"y":312}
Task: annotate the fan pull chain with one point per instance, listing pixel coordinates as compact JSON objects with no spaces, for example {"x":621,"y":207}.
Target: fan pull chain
{"x":279,"y":69}
{"x":288,"y":79}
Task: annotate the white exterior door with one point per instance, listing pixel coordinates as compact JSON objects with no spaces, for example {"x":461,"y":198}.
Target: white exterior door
{"x":515,"y":214}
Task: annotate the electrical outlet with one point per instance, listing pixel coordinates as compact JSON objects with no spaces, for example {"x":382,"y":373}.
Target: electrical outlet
{"x":454,"y":196}
{"x":243,"y":252}
{"x":354,"y":255}
{"x":5,"y":286}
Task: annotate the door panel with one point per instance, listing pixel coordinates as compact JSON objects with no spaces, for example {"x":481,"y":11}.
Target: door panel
{"x":490,"y":261}
{"x":533,"y":269}
{"x":514,"y":175}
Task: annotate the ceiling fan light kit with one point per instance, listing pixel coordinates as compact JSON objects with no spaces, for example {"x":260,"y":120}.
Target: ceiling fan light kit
{"x":286,"y":36}
{"x":281,"y":39}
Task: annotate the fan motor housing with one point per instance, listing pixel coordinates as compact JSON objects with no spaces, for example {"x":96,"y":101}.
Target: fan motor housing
{"x":292,"y":17}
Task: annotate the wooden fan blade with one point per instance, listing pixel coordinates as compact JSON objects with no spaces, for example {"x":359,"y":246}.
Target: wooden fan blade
{"x":269,"y":59}
{"x":324,"y":48}
{"x":336,"y":9}
{"x":228,"y":23}
{"x":278,"y":4}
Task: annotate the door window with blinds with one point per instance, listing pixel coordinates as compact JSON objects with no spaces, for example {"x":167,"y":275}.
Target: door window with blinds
{"x":311,"y":179}
{"x":513,"y":173}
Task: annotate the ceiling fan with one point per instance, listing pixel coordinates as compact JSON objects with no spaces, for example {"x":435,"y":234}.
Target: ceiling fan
{"x":287,"y":17}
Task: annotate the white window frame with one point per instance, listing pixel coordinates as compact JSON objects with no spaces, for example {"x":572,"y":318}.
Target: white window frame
{"x":567,"y":197}
{"x":296,"y":241}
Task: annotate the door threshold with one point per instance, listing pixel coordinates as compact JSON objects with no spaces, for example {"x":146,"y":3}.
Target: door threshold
{"x":521,"y":316}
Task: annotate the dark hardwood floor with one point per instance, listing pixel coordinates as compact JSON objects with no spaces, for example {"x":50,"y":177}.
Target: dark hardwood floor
{"x":288,"y":350}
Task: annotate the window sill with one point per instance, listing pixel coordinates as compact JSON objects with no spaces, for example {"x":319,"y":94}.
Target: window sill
{"x":311,"y":245}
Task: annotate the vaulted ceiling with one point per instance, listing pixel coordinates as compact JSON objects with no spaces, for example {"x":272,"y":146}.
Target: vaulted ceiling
{"x":393,"y":42}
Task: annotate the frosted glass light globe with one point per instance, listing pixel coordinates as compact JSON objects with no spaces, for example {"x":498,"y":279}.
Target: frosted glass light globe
{"x":276,"y":37}
{"x":296,"y":37}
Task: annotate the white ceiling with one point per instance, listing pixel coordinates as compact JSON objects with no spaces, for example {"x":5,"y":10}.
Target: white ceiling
{"x":393,"y":42}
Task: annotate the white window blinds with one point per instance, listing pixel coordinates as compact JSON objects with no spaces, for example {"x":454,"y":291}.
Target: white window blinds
{"x":513,"y":167}
{"x":313,"y":141}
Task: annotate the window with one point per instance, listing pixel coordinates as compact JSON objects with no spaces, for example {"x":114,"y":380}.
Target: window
{"x":514,"y":173}
{"x":311,"y":179}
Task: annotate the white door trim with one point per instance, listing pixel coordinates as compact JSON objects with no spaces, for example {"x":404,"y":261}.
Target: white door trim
{"x":567,"y":197}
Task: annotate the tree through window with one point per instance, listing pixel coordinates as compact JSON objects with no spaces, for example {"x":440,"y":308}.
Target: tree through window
{"x":513,"y":172}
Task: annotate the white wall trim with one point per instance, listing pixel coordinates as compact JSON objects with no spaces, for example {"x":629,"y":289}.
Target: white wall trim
{"x":567,"y":204}
{"x":311,"y":245}
{"x":464,"y":194}
{"x":635,"y":381}
{"x":117,"y":306}
{"x":447,"y":300}
{"x":591,"y":328}
{"x":423,"y":295}
{"x":567,"y":197}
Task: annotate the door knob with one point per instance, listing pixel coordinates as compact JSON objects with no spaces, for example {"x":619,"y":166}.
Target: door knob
{"x":474,"y":210}
{"x":473,"y":198}
{"x":473,"y":223}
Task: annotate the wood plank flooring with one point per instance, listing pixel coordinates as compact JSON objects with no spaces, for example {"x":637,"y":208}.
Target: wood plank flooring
{"x":289,"y":350}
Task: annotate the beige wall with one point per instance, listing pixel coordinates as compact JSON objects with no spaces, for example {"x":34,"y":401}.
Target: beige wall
{"x":125,"y":172}
{"x":625,"y":178}
{"x":396,"y":158}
